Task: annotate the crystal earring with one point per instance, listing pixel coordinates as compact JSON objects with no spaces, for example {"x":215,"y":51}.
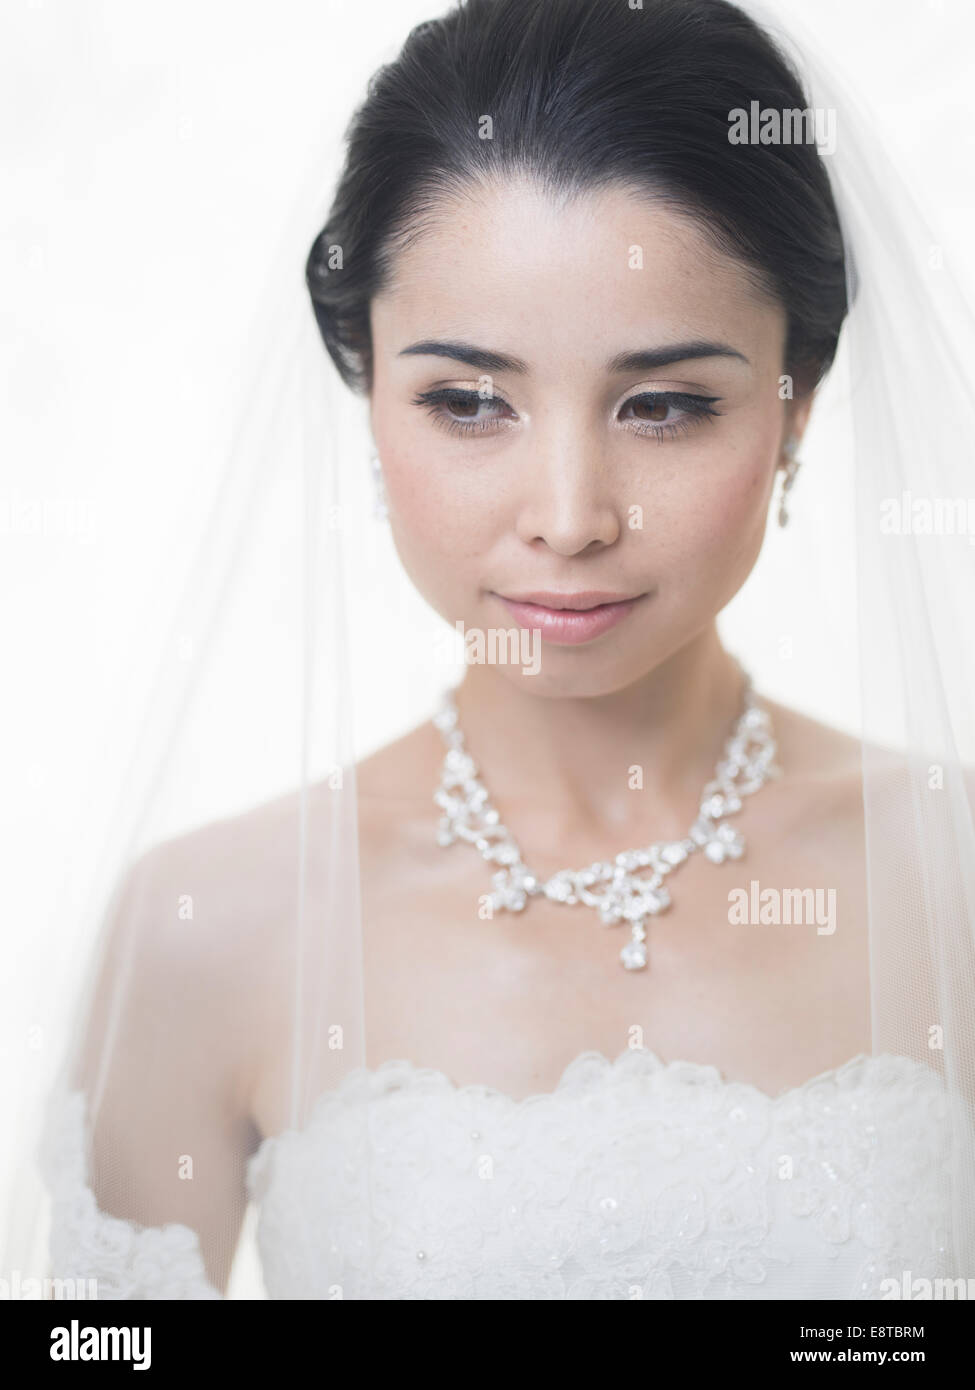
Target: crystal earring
{"x":789,"y":477}
{"x":380,"y":509}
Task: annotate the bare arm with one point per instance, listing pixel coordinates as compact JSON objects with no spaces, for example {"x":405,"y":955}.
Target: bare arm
{"x":170,"y":1056}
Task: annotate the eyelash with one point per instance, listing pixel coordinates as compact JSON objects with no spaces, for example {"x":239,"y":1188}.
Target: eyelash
{"x":698,"y":410}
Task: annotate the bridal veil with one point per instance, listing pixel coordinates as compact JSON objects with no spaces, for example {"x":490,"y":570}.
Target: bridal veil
{"x":223,"y":923}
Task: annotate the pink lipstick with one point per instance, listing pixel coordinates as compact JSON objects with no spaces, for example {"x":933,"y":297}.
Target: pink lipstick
{"x":569,"y":619}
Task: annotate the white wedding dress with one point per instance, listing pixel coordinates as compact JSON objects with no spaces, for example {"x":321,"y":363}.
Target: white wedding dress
{"x":634,"y":1178}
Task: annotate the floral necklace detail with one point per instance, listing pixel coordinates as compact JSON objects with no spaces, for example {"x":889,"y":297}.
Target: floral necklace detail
{"x":631,"y":888}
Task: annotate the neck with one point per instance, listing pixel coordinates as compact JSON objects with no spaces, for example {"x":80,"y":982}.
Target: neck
{"x":566,"y":764}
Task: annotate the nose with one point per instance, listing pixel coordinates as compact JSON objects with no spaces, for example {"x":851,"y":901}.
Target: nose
{"x":567,"y":500}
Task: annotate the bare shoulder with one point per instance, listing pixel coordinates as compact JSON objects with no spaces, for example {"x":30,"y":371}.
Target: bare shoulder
{"x":226,"y":873}
{"x":201,"y":932}
{"x":812,"y":748}
{"x":826,"y":768}
{"x":209,"y":916}
{"x":820,"y":787}
{"x":395,"y":788}
{"x":234,"y":877}
{"x":197,"y":911}
{"x":395,"y":769}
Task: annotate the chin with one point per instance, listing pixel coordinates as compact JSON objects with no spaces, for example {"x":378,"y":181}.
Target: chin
{"x":577,"y":674}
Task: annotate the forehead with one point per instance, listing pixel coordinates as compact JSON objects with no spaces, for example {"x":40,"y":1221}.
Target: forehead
{"x":509,"y":264}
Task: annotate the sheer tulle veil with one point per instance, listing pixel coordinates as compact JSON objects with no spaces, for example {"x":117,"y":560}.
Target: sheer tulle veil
{"x":231,"y":872}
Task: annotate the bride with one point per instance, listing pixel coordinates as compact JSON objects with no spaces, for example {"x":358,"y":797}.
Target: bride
{"x":485,"y":1016}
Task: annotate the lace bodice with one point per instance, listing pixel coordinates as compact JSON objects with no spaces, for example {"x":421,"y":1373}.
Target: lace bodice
{"x":633,"y":1178}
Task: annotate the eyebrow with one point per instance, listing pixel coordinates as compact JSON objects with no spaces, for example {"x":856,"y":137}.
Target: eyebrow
{"x":646,"y":359}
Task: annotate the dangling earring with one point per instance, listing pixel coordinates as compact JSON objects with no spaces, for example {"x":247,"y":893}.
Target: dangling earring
{"x":789,"y":477}
{"x":380,"y":509}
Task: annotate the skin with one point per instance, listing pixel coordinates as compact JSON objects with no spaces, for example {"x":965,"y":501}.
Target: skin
{"x":541,"y":502}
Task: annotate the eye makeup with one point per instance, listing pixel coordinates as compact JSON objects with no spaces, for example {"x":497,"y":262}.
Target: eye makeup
{"x":660,"y":414}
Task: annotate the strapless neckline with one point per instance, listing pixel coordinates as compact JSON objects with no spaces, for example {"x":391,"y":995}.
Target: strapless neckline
{"x":629,"y":1172}
{"x":587,"y":1069}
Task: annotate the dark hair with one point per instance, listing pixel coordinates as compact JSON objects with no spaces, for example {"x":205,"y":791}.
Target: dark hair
{"x":583,"y":93}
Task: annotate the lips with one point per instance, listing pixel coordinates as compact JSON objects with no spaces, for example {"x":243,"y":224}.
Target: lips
{"x":570,"y":619}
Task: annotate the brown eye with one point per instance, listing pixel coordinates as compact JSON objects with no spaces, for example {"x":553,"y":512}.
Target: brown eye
{"x":465,"y":412}
{"x":650,"y":408}
{"x":666,"y":414}
{"x":464,"y":405}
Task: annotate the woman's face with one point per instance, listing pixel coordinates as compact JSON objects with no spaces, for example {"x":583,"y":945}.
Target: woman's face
{"x":529,"y":453}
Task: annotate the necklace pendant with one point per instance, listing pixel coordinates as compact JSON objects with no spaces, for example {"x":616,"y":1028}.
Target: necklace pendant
{"x":620,"y":891}
{"x":634,"y":953}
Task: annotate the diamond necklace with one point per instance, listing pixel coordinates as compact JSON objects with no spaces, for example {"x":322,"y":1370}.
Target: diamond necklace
{"x":630,"y":889}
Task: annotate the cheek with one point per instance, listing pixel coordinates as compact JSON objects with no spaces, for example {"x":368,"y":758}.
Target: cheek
{"x":447,"y":492}
{"x":436,"y":509}
{"x":443,"y":513}
{"x":713,"y":538}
